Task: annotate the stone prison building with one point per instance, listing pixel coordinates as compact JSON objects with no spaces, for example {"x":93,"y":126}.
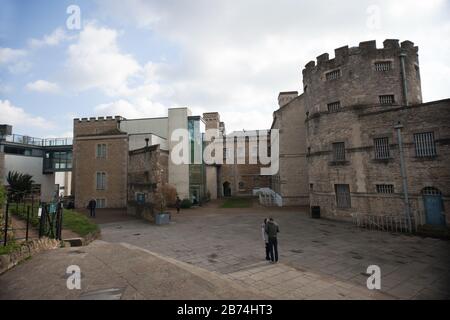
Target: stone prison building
{"x":339,"y":139}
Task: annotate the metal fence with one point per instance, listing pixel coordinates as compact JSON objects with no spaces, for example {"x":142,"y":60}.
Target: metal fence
{"x":38,"y":220}
{"x":390,"y":223}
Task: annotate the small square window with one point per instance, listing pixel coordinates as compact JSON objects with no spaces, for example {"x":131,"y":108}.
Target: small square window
{"x":383,"y":65}
{"x":333,"y":75}
{"x":386,"y":100}
{"x":385,"y":188}
{"x":334,"y":106}
{"x":425,"y":144}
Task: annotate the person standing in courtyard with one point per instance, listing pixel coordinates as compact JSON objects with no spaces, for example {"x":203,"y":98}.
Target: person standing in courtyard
{"x":178,"y":204}
{"x":272,"y":230}
{"x":265,"y":238}
{"x":91,"y":206}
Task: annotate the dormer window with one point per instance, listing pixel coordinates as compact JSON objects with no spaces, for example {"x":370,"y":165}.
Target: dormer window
{"x":333,"y":75}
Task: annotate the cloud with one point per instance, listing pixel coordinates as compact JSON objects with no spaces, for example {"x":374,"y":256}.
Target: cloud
{"x":20,"y":119}
{"x":56,"y":37}
{"x":8,"y":55}
{"x":139,"y":108}
{"x":236,"y":58}
{"x":43,"y":86}
{"x":95,"y":62}
{"x":14,"y":60}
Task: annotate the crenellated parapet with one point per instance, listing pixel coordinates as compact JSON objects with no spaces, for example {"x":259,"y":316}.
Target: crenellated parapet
{"x":361,"y":75}
{"x":94,"y":119}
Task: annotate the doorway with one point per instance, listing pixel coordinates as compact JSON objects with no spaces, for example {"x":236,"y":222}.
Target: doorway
{"x":434,"y":209}
{"x":226,"y":189}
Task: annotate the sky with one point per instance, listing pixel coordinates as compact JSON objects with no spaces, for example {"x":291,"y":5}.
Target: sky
{"x":137,"y":58}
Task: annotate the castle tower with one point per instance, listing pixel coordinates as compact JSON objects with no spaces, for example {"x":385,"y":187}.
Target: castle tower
{"x":364,"y":76}
{"x":100,"y":160}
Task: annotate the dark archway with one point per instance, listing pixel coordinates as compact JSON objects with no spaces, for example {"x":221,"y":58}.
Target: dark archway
{"x":226,"y":189}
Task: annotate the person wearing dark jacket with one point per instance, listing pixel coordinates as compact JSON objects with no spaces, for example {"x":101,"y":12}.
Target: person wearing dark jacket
{"x":272,"y":230}
{"x":265,"y":238}
{"x":91,"y":206}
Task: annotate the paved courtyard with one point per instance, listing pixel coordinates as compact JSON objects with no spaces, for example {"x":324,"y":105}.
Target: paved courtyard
{"x":213,"y":253}
{"x":318,"y":258}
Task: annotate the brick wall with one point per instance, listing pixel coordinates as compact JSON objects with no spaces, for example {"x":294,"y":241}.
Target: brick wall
{"x":362,"y":171}
{"x":87,"y":135}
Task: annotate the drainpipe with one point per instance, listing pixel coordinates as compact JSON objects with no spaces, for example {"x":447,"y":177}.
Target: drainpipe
{"x":404,"y":81}
{"x":399,"y":127}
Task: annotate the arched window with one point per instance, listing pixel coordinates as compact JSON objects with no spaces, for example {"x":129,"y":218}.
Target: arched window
{"x":431,"y":191}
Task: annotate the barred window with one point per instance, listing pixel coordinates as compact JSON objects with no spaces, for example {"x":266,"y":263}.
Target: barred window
{"x":381,"y":148}
{"x":101,"y":180}
{"x":333,"y":75}
{"x":101,"y":203}
{"x":342,"y":196}
{"x":101,"y":151}
{"x":387,"y":99}
{"x":383,"y":65}
{"x":334,"y":106}
{"x":425,"y":144}
{"x":385,"y":188}
{"x":339,"y":151}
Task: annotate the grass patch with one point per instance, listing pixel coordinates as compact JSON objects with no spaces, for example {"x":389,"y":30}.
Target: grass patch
{"x":237,"y":203}
{"x":72,"y":220}
{"x":78,"y":223}
{"x":10,"y":247}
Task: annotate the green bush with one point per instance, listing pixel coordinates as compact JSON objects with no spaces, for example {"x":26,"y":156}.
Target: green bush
{"x":186,"y":204}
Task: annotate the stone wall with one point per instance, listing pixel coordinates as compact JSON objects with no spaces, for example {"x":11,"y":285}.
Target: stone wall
{"x":244,"y":174}
{"x":358,"y":129}
{"x":87,"y":135}
{"x":147,"y":172}
{"x":291,"y":182}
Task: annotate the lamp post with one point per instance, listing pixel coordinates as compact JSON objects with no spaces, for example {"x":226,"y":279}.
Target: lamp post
{"x":399,"y":127}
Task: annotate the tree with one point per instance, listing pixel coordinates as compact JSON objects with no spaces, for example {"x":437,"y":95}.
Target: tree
{"x":2,"y":196}
{"x":20,"y":185}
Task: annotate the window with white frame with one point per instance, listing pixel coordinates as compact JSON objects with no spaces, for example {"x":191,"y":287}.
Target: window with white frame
{"x":385,"y":188}
{"x":387,"y":99}
{"x":101,"y":150}
{"x":425,"y":144}
{"x":334,"y":106}
{"x":339,"y":151}
{"x":381,"y":148}
{"x":333,"y":75}
{"x":343,"y":199}
{"x":383,"y":65}
{"x":101,"y":180}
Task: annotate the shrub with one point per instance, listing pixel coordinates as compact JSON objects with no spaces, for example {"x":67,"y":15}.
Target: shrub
{"x":186,"y":204}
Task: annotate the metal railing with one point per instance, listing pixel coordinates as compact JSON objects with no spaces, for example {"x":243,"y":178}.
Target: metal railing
{"x":389,"y":223}
{"x":27,"y":140}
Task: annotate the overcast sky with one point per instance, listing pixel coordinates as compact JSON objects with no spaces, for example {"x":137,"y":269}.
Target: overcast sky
{"x":137,"y":58}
